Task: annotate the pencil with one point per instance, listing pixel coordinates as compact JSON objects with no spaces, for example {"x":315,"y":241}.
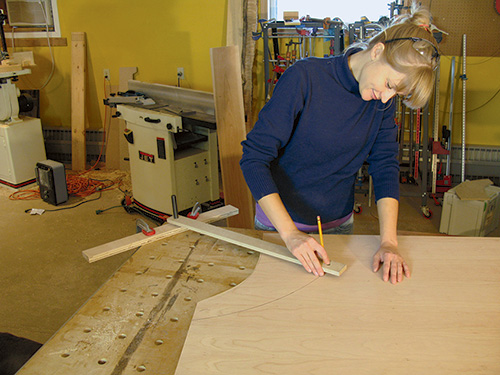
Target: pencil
{"x":320,"y":232}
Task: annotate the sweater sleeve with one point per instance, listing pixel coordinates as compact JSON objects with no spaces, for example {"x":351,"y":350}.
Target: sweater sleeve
{"x":272,"y":131}
{"x":383,"y":158}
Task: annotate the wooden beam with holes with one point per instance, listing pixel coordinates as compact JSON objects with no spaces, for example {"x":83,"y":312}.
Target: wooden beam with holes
{"x":138,"y":320}
{"x":267,"y":248}
{"x":163,"y":231}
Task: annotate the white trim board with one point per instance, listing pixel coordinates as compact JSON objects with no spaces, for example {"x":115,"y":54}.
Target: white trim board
{"x":166,"y":230}
{"x":267,"y":248}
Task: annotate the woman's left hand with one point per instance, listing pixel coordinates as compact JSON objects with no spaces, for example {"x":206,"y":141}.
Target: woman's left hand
{"x":395,"y":268}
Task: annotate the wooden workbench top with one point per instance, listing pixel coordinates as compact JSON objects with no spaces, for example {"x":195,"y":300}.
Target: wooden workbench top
{"x":138,"y":320}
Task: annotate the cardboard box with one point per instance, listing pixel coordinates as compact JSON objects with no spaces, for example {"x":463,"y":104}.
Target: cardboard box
{"x":474,"y":218}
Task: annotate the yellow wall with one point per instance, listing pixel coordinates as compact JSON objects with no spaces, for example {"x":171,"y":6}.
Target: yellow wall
{"x":157,"y":36}
{"x":483,"y":81}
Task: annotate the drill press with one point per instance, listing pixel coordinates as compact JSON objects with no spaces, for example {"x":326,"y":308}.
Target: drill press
{"x":21,"y":137}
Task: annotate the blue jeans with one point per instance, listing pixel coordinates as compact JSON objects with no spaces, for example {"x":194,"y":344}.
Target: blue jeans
{"x":344,"y":228}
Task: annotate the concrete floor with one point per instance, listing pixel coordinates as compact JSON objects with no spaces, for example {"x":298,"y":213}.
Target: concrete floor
{"x":44,"y":278}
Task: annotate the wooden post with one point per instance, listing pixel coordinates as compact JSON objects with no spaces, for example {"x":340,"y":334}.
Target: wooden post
{"x":241,"y":22}
{"x":234,"y":34}
{"x":78,"y":74}
{"x":230,"y":117}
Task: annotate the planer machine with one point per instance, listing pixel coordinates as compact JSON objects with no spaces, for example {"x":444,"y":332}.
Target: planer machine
{"x":172,"y":146}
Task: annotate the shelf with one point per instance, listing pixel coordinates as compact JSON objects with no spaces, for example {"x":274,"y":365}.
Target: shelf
{"x":37,"y":42}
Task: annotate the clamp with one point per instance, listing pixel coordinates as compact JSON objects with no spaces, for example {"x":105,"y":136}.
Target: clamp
{"x":195,"y":211}
{"x":143,"y":227}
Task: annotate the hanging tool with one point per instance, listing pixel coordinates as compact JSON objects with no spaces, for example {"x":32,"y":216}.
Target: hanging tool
{"x":442,"y":182}
{"x":287,"y":56}
{"x":329,"y":31}
{"x":463,"y":77}
{"x":450,"y":125}
{"x":411,"y":180}
{"x":143,"y":227}
{"x":435,"y":130}
{"x":277,"y":71}
{"x":417,"y":151}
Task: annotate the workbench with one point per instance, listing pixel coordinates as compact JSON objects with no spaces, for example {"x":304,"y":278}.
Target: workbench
{"x":444,"y":320}
{"x":139,"y":318}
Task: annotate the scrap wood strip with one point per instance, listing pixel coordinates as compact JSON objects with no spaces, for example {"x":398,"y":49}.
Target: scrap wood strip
{"x":267,"y":248}
{"x":166,"y":230}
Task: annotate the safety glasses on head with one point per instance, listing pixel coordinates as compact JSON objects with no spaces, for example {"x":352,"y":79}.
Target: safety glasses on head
{"x":420,"y":45}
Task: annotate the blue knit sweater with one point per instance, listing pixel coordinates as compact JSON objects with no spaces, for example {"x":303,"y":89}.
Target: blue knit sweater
{"x":312,"y":137}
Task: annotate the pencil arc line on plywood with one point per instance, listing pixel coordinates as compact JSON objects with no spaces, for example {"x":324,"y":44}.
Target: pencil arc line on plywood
{"x":303,"y":280}
{"x":252,"y":307}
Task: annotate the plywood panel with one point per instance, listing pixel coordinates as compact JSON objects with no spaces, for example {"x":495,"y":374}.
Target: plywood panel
{"x":476,"y":18}
{"x":281,"y":320}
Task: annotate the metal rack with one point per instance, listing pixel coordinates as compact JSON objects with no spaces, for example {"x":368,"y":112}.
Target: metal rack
{"x":413,"y":137}
{"x":414,"y":151}
{"x":303,"y":33}
{"x":303,"y":36}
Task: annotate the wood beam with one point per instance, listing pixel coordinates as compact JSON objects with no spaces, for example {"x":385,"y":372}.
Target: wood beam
{"x":78,"y":91}
{"x":230,"y":117}
{"x":163,"y":231}
{"x":267,"y":248}
{"x":37,"y":42}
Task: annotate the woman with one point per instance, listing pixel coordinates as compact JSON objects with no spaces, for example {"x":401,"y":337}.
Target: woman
{"x":325,"y":118}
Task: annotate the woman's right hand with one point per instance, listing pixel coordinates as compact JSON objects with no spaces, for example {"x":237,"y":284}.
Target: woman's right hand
{"x":307,"y":250}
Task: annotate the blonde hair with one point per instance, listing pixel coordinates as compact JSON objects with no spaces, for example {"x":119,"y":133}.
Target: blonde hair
{"x":418,"y":66}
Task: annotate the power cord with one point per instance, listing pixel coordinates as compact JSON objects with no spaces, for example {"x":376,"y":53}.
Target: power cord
{"x":30,"y":210}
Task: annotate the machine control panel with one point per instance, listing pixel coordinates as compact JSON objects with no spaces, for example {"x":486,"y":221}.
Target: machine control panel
{"x":151,"y":119}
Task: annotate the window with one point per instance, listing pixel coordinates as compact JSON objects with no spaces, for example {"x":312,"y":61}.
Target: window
{"x":31,"y":18}
{"x":347,"y":11}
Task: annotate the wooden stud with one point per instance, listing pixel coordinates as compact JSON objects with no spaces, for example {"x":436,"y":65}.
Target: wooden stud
{"x":239,"y":33}
{"x":277,"y":251}
{"x":78,"y":73}
{"x":234,"y":23}
{"x":230,"y":117}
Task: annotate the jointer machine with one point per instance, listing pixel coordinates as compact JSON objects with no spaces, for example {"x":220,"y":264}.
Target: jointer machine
{"x":172,"y":147}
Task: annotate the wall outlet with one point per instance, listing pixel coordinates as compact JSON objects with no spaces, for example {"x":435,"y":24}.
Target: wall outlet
{"x":107,"y":76}
{"x":180,"y":73}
